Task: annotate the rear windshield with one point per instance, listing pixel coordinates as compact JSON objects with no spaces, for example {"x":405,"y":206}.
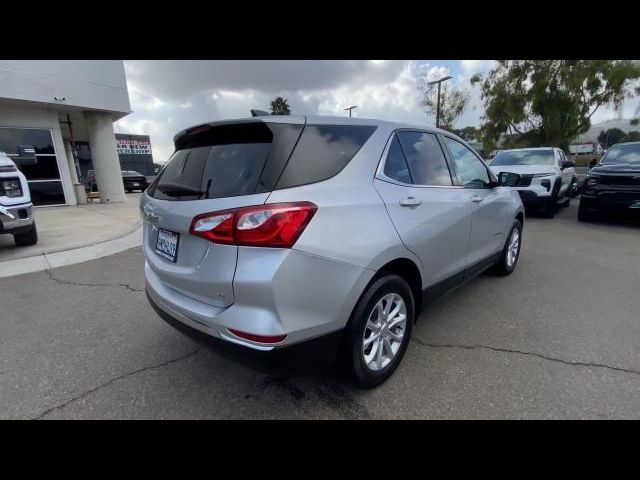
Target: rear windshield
{"x":622,"y":155}
{"x":524,"y":157}
{"x":256,"y":157}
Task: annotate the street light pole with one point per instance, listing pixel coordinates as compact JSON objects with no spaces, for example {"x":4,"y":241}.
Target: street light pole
{"x":351,"y":108}
{"x":444,"y":79}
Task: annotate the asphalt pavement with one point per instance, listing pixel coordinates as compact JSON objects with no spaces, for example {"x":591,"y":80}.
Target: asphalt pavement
{"x":560,"y":338}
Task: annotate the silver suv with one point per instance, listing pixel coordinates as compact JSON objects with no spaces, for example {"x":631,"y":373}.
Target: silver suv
{"x":274,"y":230}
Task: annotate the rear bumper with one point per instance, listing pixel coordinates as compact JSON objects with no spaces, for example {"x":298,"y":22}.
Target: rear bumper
{"x":302,"y":296}
{"x":16,"y":218}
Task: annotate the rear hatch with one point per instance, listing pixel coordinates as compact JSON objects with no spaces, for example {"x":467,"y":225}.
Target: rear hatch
{"x":215,"y":167}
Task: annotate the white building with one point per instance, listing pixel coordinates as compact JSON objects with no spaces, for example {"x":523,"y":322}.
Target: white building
{"x":46,"y":106}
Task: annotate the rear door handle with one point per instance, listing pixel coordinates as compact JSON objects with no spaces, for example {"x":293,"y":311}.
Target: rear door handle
{"x":476,"y":199}
{"x":410,"y":202}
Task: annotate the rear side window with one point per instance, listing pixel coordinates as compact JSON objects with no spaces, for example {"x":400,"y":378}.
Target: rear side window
{"x":395,"y":166}
{"x":322,"y":152}
{"x":226,"y":161}
{"x":425,"y":158}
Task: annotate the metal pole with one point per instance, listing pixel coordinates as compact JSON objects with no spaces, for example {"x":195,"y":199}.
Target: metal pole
{"x":350,"y":109}
{"x":438,"y":107}
{"x":444,"y":79}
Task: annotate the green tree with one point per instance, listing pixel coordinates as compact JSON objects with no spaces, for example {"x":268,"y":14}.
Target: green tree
{"x":453,"y":102}
{"x":468,"y":134}
{"x":611,"y":137}
{"x":550,"y":102}
{"x":633,"y":136}
{"x":280,"y":106}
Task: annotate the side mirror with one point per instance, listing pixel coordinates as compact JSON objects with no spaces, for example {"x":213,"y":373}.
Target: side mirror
{"x":568,"y":164}
{"x":508,"y":179}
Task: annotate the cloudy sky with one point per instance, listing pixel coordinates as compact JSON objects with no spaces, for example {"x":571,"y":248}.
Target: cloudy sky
{"x":167,"y":96}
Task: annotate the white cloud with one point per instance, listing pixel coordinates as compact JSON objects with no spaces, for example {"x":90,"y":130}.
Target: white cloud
{"x":471,"y":67}
{"x":169,"y":96}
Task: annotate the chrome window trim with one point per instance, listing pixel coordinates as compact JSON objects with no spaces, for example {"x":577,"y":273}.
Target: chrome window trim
{"x":383,"y":160}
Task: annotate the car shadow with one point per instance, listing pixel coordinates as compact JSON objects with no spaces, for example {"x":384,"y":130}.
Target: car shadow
{"x":313,"y":358}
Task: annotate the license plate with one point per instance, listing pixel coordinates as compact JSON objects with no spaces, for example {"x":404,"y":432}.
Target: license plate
{"x":167,"y":244}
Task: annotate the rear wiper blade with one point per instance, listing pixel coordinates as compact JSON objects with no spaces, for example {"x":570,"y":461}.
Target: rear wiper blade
{"x":175,"y":189}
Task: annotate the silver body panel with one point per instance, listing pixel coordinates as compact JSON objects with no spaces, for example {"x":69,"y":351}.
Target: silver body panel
{"x":312,"y":288}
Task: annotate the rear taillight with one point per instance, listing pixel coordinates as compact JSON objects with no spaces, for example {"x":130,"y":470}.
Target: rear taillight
{"x":270,"y":225}
{"x":7,"y":168}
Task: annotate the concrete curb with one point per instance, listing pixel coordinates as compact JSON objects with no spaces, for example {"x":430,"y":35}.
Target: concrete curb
{"x":45,"y":261}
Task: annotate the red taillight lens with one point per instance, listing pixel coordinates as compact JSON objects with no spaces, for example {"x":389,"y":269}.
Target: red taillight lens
{"x":271,"y":225}
{"x":7,"y":168}
{"x":258,"y":338}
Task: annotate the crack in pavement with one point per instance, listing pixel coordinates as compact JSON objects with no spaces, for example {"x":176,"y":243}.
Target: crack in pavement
{"x":81,"y":284}
{"x":115,"y":379}
{"x":520,"y":352}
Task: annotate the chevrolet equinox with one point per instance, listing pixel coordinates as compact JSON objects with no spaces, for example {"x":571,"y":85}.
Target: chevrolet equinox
{"x":274,"y":230}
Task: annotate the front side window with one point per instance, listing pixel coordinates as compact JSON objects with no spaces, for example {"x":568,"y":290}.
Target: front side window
{"x":425,"y":158}
{"x":471,"y":171}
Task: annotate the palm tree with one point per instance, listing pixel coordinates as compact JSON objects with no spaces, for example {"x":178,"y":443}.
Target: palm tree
{"x":279,"y":106}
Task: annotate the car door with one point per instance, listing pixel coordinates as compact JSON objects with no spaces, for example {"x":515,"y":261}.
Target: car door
{"x":490,"y":202}
{"x":428,"y":211}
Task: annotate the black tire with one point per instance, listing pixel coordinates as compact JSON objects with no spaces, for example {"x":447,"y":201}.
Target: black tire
{"x":502,"y":267}
{"x":573,"y":188}
{"x":569,"y":194}
{"x":27,"y":238}
{"x":352,"y":355}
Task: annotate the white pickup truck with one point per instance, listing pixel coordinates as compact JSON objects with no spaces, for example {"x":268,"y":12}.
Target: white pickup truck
{"x":547,"y":180}
{"x":16,"y":209}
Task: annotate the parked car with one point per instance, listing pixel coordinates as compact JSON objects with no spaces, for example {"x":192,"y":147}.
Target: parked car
{"x":134,"y":181}
{"x":16,"y":209}
{"x":131,"y":180}
{"x":547,"y":177}
{"x":270,"y":231}
{"x":613,"y":185}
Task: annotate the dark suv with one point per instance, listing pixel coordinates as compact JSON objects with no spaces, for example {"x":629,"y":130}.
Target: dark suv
{"x":613,"y":186}
{"x":132,"y":180}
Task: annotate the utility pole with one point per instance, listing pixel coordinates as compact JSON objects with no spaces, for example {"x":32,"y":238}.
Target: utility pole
{"x":351,"y":108}
{"x":444,"y":79}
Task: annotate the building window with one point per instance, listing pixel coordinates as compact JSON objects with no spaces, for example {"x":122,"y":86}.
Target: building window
{"x":41,"y":169}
